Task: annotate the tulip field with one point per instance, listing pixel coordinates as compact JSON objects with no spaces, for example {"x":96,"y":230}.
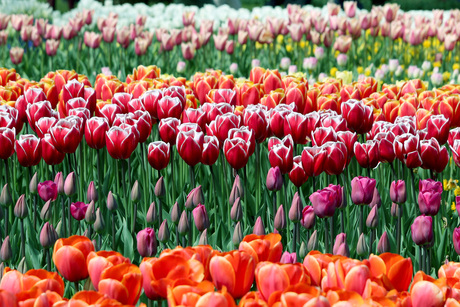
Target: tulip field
{"x":309,"y":159}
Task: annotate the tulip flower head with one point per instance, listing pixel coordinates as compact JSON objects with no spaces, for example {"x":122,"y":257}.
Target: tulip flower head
{"x":47,"y":190}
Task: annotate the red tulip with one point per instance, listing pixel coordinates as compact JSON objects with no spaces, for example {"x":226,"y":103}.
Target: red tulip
{"x":223,"y":124}
{"x":95,"y":130}
{"x":386,"y":148}
{"x":43,"y":125}
{"x":438,"y":128}
{"x":407,"y":149}
{"x":31,"y":96}
{"x":286,"y":141}
{"x":277,"y":120}
{"x":7,"y":120}
{"x":38,"y":110}
{"x":28,"y":149}
{"x":349,"y":139}
{"x":121,"y":142}
{"x":66,"y":134}
{"x":169,"y":107}
{"x":190,"y":146}
{"x":272,"y":80}
{"x":296,"y":124}
{"x":337,"y":122}
{"x":168,"y":129}
{"x":367,"y":154}
{"x":281,"y":156}
{"x":7,"y":140}
{"x":143,"y":124}
{"x":336,"y":158}
{"x":313,"y":159}
{"x":158,"y":154}
{"x":434,"y":157}
{"x":227,"y":96}
{"x":196,"y":116}
{"x":323,"y":135}
{"x":359,"y":117}
{"x":50,"y":154}
{"x":150,"y":100}
{"x":454,"y":135}
{"x":122,"y":100}
{"x":210,"y":150}
{"x":297,"y":174}
{"x":109,"y":112}
{"x":213,"y":110}
{"x":237,"y":152}
{"x":245,"y":134}
{"x":254,"y":118}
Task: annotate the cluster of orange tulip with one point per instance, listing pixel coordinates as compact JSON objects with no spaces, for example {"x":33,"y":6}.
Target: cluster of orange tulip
{"x":201,"y":276}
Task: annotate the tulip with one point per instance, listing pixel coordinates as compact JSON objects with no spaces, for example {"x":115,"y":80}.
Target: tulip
{"x":258,"y":228}
{"x":343,"y":44}
{"x":95,"y":130}
{"x":120,"y":142}
{"x":47,"y":190}
{"x":200,"y":217}
{"x":296,"y":125}
{"x":183,"y":226}
{"x":16,"y":54}
{"x":341,"y":246}
{"x":48,"y":235}
{"x":274,"y":179}
{"x":313,"y":159}
{"x":236,"y":213}
{"x":456,"y":240}
{"x":429,"y":197}
{"x":66,"y":135}
{"x":362,"y":190}
{"x":28,"y":149}
{"x":121,"y":282}
{"x":7,"y":141}
{"x":325,"y":201}
{"x":69,"y":256}
{"x":422,"y":230}
{"x":280,"y":219}
{"x":78,"y":210}
{"x":407,"y":149}
{"x":146,"y":242}
{"x":426,"y":293}
{"x":210,"y":150}
{"x":434,"y":157}
{"x":350,"y":8}
{"x":384,"y":244}
{"x":236,"y":152}
{"x":398,"y":191}
{"x":158,"y":154}
{"x":91,"y":194}
{"x":190,"y":146}
{"x":438,"y":127}
{"x":359,"y":117}
{"x":5,"y":251}
{"x":367,"y":154}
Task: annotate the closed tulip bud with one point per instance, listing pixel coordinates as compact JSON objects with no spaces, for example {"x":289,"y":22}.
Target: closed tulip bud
{"x":308,"y":217}
{"x":160,"y":190}
{"x":59,"y":181}
{"x":376,"y":200}
{"x":274,"y":179}
{"x":373,"y":218}
{"x":295,"y":212}
{"x":313,"y":241}
{"x":22,"y":266}
{"x":33,"y":184}
{"x":237,"y":234}
{"x":151,"y":214}
{"x":91,"y":194}
{"x":422,"y":230}
{"x":163,"y":232}
{"x":236,"y":192}
{"x":45,"y":213}
{"x":203,"y":238}
{"x":135,"y":192}
{"x":6,"y":252}
{"x":398,"y":191}
{"x":384,"y":244}
{"x":111,"y":202}
{"x":237,"y":212}
{"x":70,"y":186}
{"x":183,"y":226}
{"x":146,"y":242}
{"x":340,"y":239}
{"x":48,"y":235}
{"x":175,"y":213}
{"x":362,"y":248}
{"x":90,"y":215}
{"x":5,"y":197}
{"x":259,"y":228}
{"x":280,"y":218}
{"x":200,"y":217}
{"x":99,"y":224}
{"x":20,"y":210}
{"x":194,"y":198}
{"x":362,"y":190}
{"x":394,"y":210}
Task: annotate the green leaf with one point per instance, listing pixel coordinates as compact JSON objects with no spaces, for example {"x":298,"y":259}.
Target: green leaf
{"x":127,"y":239}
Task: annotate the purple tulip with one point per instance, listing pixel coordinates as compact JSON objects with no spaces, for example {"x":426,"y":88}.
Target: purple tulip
{"x":146,"y":242}
{"x":422,"y":230}
{"x":456,"y":238}
{"x":429,"y":197}
{"x":308,"y":217}
{"x":398,"y":191}
{"x":259,"y":228}
{"x":47,"y":190}
{"x":78,"y":210}
{"x":274,"y":179}
{"x":200,"y":215}
{"x":362,"y":190}
{"x":288,"y":257}
{"x":325,"y":201}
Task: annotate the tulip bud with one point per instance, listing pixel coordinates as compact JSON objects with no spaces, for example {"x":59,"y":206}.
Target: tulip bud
{"x":33,"y":184}
{"x":295,"y":213}
{"x":45,"y":213}
{"x":341,"y":246}
{"x":111,"y":202}
{"x":303,"y":250}
{"x":313,"y":241}
{"x":376,"y":200}
{"x":135,"y":192}
{"x":203,"y":238}
{"x":20,"y":210}
{"x":48,"y":235}
{"x":146,"y":242}
{"x":183,"y":226}
{"x":70,"y":186}
{"x":6,"y":252}
{"x":90,"y":215}
{"x":160,"y":190}
{"x":237,"y":212}
{"x":2,"y":268}
{"x":91,"y":195}
{"x":236,"y":192}
{"x":22,"y":266}
{"x":280,"y":218}
{"x":163,"y":232}
{"x":237,"y":234}
{"x":175,"y":213}
{"x":151,"y":214}
{"x":361,"y":248}
{"x":99,"y":224}
{"x":373,"y":218}
{"x":288,"y":257}
{"x":274,"y":179}
{"x":384,"y":244}
{"x":422,"y":230}
{"x":200,"y":216}
{"x":394,"y":210}
{"x":59,"y":227}
{"x":259,"y":228}
{"x":5,"y":197}
{"x":197,"y":196}
{"x":59,"y":181}
{"x":398,"y":191}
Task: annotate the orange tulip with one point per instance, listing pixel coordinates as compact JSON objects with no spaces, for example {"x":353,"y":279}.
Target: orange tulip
{"x":90,"y":299}
{"x":137,"y":88}
{"x":7,"y":75}
{"x":391,"y":110}
{"x":97,"y":262}
{"x":293,"y":296}
{"x":380,"y":98}
{"x":272,"y":277}
{"x":38,"y":298}
{"x":413,"y":86}
{"x":226,"y":81}
{"x":349,"y":91}
{"x":233,"y":270}
{"x":263,"y":248}
{"x":331,"y":86}
{"x":189,"y":293}
{"x":449,"y":270}
{"x":247,"y":93}
{"x":257,"y":75}
{"x":392,"y":91}
{"x":69,"y":256}
{"x":397,"y":269}
{"x":425,"y":293}
{"x":273,"y":99}
{"x":272,"y":80}
{"x":143,"y":72}
{"x":159,"y":273}
{"x":252,"y":299}
{"x":61,"y":77}
{"x":16,"y":282}
{"x":350,"y":297}
{"x":122,"y":282}
{"x":422,"y":117}
{"x":202,"y":84}
{"x":7,"y":299}
{"x":296,"y":93}
{"x":329,"y":102}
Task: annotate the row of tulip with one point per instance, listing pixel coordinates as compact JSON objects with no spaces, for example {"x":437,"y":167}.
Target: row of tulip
{"x":306,"y":39}
{"x":202,"y":276}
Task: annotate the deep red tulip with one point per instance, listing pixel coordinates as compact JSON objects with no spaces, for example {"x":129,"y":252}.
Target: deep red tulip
{"x":136,"y":104}
{"x":78,"y":210}
{"x":120,"y":142}
{"x":95,"y":130}
{"x":50,"y":154}
{"x":297,"y":174}
{"x":169,"y":107}
{"x":7,"y":120}
{"x":336,"y":158}
{"x":386,"y":146}
{"x":109,"y":112}
{"x":277,"y":120}
{"x":158,"y":154}
{"x":367,"y":154}
{"x":190,"y":146}
{"x":38,"y":110}
{"x":143,"y":124}
{"x":7,"y":140}
{"x":359,"y":117}
{"x":43,"y":125}
{"x":31,"y":96}
{"x":222,"y":95}
{"x":176,"y":92}
{"x":168,"y":129}
{"x":454,"y":135}
{"x":28,"y":149}
{"x":281,"y":156}
{"x":286,"y":141}
{"x":47,"y":190}
{"x":438,"y":128}
{"x":196,"y":116}
{"x":407,"y":149}
{"x":66,"y":134}
{"x":246,"y":134}
{"x":434,"y":157}
{"x":349,"y":139}
{"x":323,"y":135}
{"x":254,"y":118}
{"x":223,"y":124}
{"x":122,"y":100}
{"x":313,"y":159}
{"x":75,"y":89}
{"x":215,"y":109}
{"x":210,"y":150}
{"x":456,"y":152}
{"x":150,"y":100}
{"x":237,"y":152}
{"x":296,"y":124}
{"x":337,"y":122}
